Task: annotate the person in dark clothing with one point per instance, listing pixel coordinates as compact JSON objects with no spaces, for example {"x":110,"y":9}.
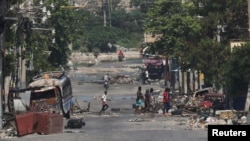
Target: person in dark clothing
{"x":138,"y":93}
{"x":149,"y":99}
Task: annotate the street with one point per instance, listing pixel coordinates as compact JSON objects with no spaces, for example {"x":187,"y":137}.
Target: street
{"x":120,"y":123}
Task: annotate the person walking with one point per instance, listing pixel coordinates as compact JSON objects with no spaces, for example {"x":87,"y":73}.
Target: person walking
{"x":166,"y":104}
{"x":138,"y":93}
{"x":105,"y":105}
{"x":106,"y":79}
{"x":139,"y":101}
{"x":147,"y":77}
{"x":139,"y":104}
{"x":146,"y":100}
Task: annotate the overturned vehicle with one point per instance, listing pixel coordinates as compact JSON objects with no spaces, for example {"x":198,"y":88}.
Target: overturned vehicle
{"x":48,"y":93}
{"x":51,"y":92}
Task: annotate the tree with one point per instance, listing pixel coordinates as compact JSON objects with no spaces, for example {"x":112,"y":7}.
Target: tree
{"x":238,"y":72}
{"x":198,"y":32}
{"x":178,"y":32}
{"x":144,"y":5}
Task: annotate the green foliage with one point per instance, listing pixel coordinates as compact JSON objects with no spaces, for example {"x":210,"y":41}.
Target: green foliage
{"x":238,"y":70}
{"x":83,"y":50}
{"x":177,"y":30}
{"x":96,"y":52}
{"x":144,"y":5}
{"x":240,"y":63}
{"x":189,"y":31}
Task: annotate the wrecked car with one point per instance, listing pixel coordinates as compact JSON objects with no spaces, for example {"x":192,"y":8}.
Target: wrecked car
{"x":202,"y":92}
{"x":212,"y":102}
{"x":196,"y":98}
{"x":51,"y":91}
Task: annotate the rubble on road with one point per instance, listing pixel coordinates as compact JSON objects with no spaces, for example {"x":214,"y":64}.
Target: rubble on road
{"x":121,"y":79}
{"x":201,"y":117}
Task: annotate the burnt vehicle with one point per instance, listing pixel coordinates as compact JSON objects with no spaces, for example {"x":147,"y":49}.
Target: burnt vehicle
{"x":213,"y":101}
{"x":196,"y":98}
{"x":51,"y":91}
{"x":203,"y":91}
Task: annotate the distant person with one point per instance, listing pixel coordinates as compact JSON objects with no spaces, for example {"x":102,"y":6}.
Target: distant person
{"x":147,"y":76}
{"x":138,"y":93}
{"x":105,"y":105}
{"x":146,"y":95}
{"x":143,"y":75}
{"x":151,"y":98}
{"x":120,"y":55}
{"x":166,"y":104}
{"x":106,"y":77}
{"x":139,"y":103}
{"x":96,"y":61}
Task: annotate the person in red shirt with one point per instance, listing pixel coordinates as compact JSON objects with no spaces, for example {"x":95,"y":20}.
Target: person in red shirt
{"x":120,"y":55}
{"x":166,"y":104}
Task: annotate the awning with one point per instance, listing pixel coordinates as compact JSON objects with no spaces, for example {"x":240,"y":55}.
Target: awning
{"x":155,"y":62}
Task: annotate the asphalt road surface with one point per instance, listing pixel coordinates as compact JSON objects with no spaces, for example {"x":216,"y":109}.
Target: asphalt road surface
{"x":120,"y":123}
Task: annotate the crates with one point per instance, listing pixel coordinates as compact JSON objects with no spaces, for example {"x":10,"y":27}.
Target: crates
{"x":48,"y":123}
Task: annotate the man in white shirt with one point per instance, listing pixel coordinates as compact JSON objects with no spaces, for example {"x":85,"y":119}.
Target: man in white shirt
{"x":147,"y":77}
{"x":106,"y":77}
{"x":105,"y":106}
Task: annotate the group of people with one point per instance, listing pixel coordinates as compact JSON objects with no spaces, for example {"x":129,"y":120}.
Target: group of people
{"x":146,"y":102}
{"x":104,"y":98}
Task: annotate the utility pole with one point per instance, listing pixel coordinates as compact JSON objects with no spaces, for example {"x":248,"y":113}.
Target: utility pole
{"x":109,"y":13}
{"x":104,"y":13}
{"x":2,"y":43}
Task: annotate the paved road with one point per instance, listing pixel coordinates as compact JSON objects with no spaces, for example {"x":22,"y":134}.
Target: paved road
{"x":120,"y":123}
